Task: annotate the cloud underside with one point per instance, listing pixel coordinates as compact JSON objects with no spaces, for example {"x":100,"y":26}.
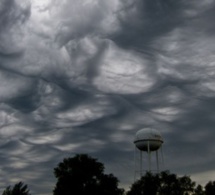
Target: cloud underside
{"x":84,"y":77}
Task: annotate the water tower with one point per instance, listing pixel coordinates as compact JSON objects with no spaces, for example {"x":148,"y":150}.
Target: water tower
{"x":147,"y":140}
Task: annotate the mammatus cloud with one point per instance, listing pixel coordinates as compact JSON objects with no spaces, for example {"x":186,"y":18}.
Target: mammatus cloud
{"x":83,"y":77}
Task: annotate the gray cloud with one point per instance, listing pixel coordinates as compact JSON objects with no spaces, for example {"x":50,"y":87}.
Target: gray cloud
{"x":84,"y":77}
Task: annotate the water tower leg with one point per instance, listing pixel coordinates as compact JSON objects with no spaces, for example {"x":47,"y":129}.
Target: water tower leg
{"x":135,"y":167}
{"x":149,"y":156}
{"x":141,"y":162}
{"x":157,"y":161}
{"x":162,"y":156}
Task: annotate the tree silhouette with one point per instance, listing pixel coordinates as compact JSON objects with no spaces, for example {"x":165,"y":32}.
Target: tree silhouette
{"x":164,"y":183}
{"x":210,"y":188}
{"x":173,"y":185}
{"x":18,"y":189}
{"x":84,"y":175}
{"x":148,"y":184}
{"x":199,"y":190}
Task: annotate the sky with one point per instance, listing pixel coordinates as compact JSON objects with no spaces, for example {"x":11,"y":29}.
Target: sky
{"x":85,"y":76}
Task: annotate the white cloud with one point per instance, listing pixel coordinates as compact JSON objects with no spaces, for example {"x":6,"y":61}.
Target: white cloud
{"x":124,"y":72}
{"x":203,"y":177}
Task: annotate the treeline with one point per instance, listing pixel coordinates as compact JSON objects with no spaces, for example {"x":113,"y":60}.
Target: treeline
{"x":84,"y":175}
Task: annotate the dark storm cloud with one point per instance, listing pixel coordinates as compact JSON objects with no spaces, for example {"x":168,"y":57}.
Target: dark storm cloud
{"x":13,"y":15}
{"x":84,"y":77}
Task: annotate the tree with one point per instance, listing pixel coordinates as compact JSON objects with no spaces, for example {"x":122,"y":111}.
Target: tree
{"x":176,"y":185}
{"x":84,"y":175}
{"x":148,"y":184}
{"x":199,"y":190}
{"x":210,"y":188}
{"x":164,"y":183}
{"x":18,"y":189}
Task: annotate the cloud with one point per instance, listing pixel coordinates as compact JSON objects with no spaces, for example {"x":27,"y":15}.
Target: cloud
{"x":124,"y":72}
{"x":84,"y":77}
{"x":13,"y":15}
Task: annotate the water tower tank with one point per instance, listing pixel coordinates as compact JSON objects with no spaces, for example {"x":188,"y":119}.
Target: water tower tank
{"x":148,"y":139}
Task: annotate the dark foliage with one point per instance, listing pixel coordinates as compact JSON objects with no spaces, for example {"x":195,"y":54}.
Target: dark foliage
{"x":18,"y":189}
{"x":210,"y":188}
{"x":199,"y":190}
{"x":84,"y":175}
{"x":164,"y":183}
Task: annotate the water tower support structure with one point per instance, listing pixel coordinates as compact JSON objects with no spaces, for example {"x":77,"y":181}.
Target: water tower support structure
{"x":147,"y":140}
